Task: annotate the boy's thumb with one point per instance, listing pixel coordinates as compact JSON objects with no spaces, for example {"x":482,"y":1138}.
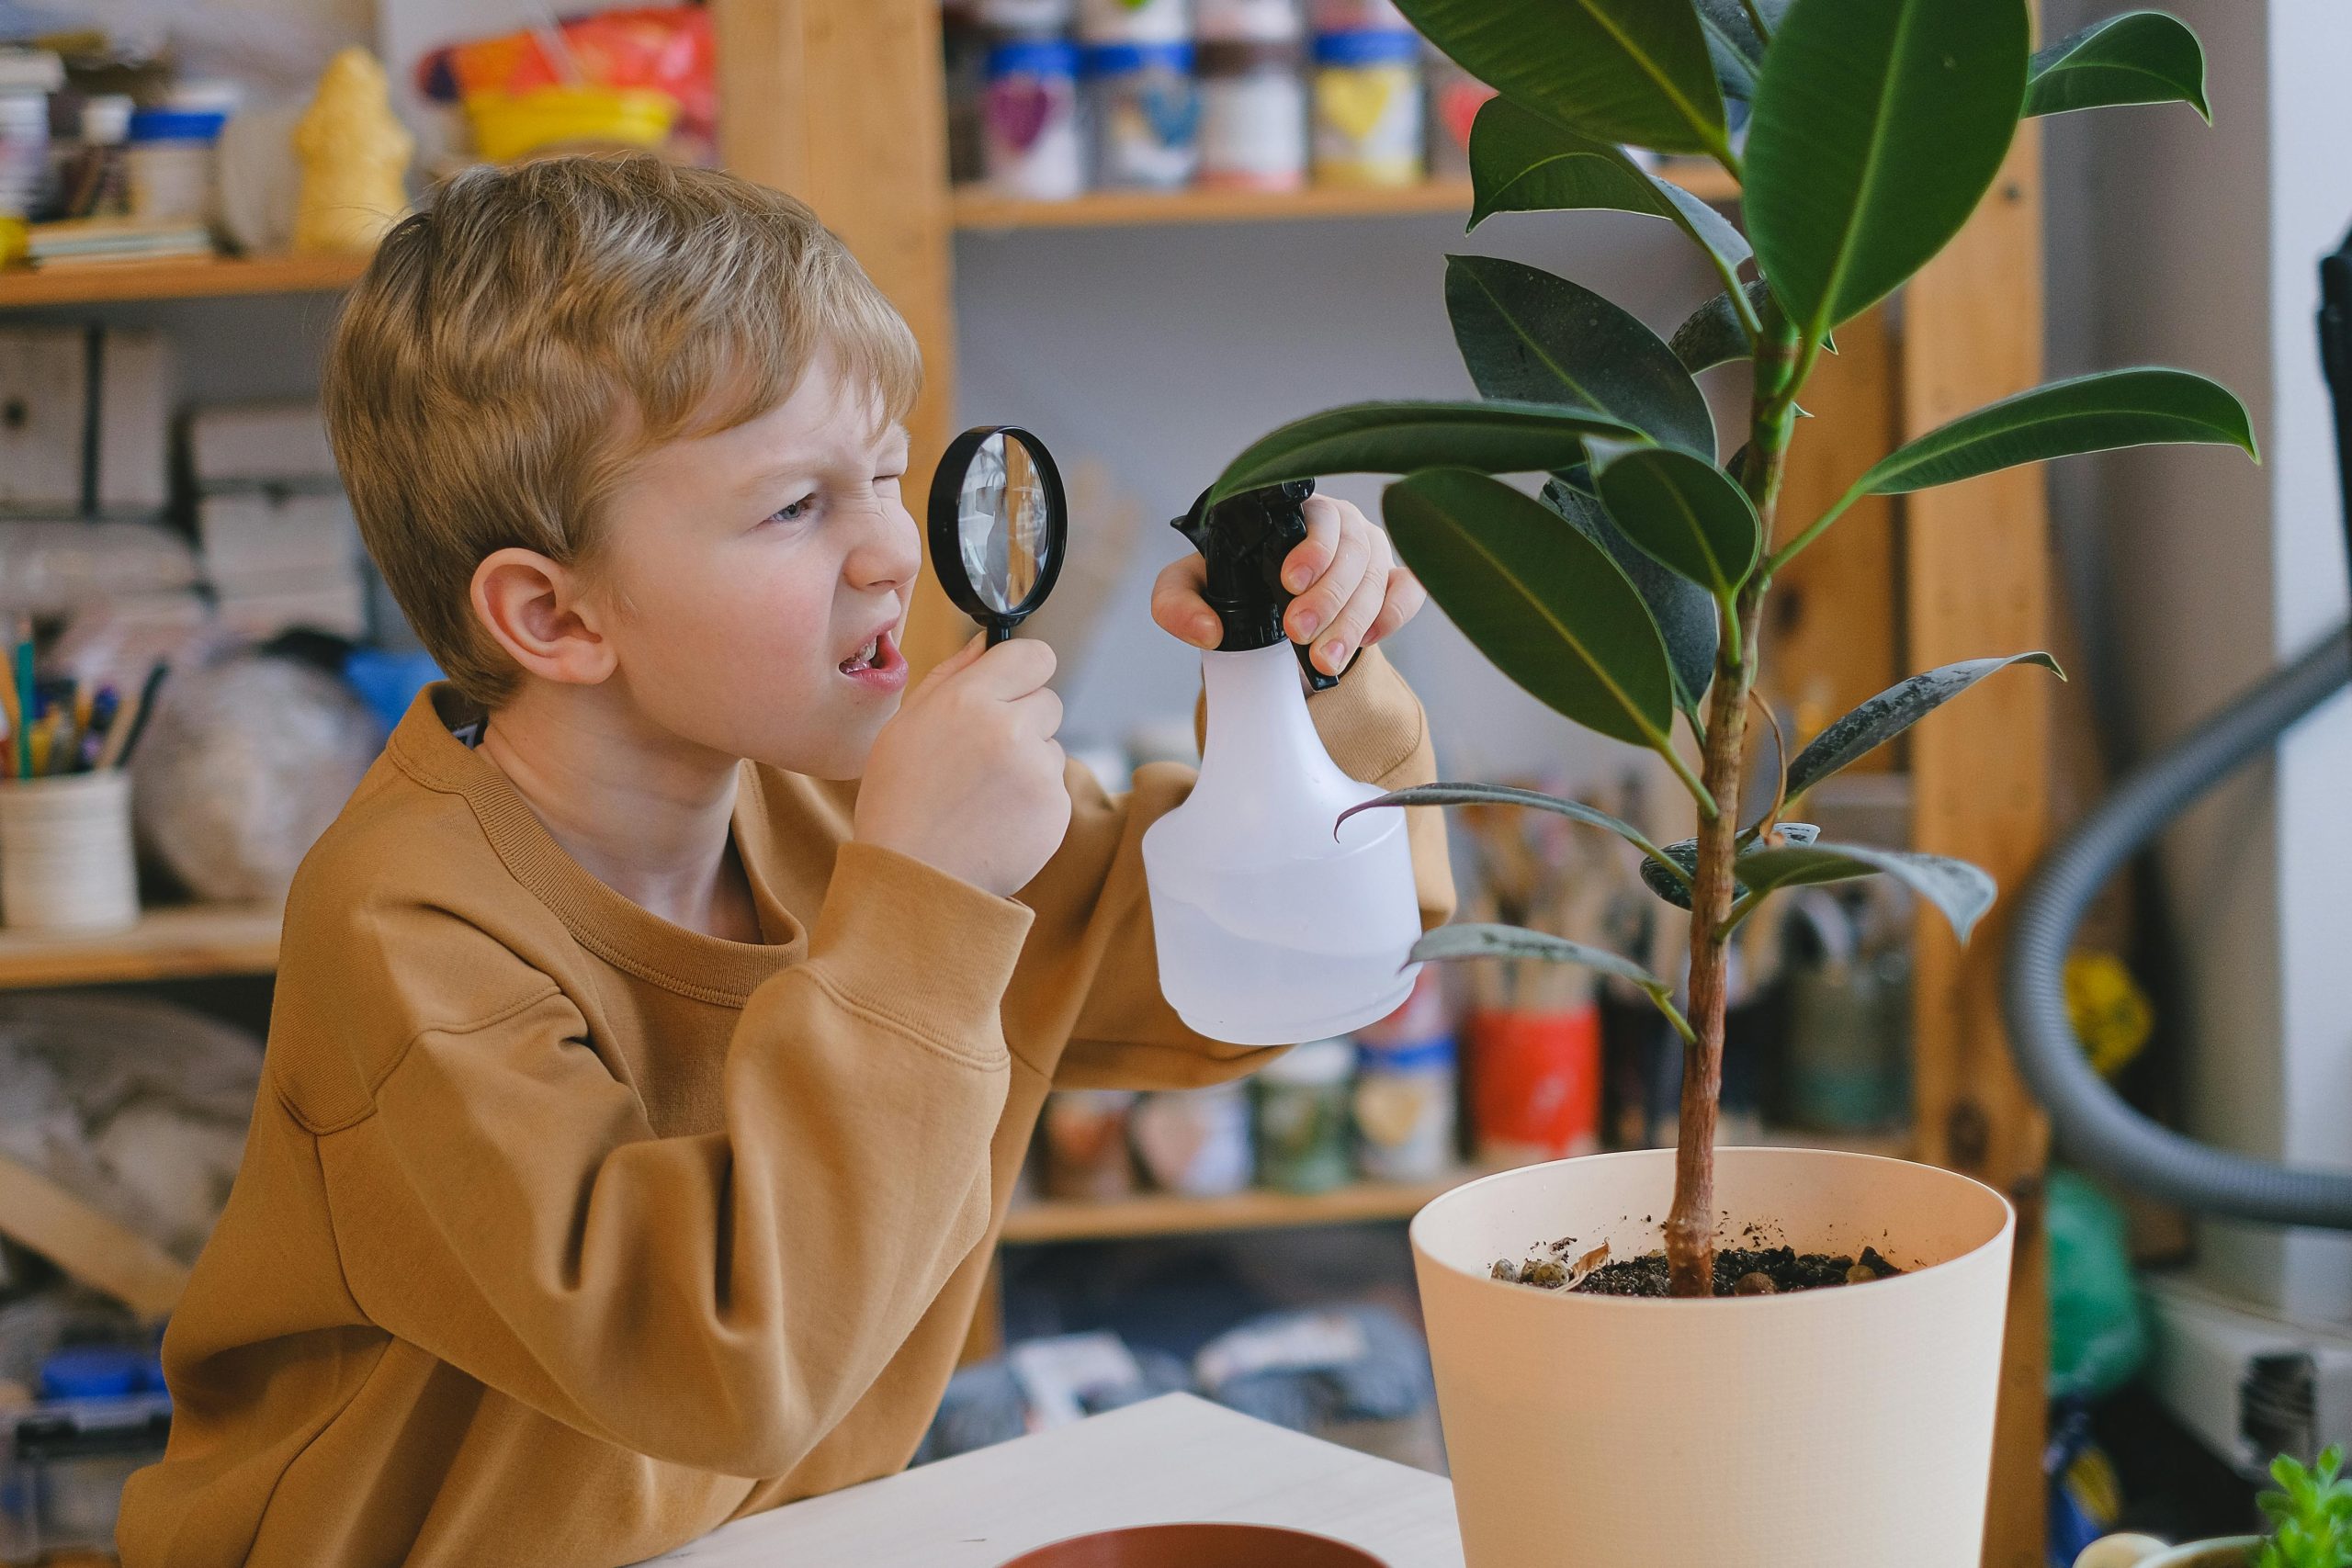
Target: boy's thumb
{"x":963,"y":658}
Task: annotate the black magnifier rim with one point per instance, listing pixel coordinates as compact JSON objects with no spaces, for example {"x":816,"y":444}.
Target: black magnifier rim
{"x":945,"y":525}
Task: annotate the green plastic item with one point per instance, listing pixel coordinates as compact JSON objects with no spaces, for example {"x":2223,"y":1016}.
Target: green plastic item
{"x":2098,"y":1335}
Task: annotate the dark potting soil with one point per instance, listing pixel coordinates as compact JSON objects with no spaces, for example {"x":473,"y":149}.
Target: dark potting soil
{"x":1739,"y":1272}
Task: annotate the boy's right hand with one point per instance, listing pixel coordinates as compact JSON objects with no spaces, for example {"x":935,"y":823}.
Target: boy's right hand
{"x":968,"y":776}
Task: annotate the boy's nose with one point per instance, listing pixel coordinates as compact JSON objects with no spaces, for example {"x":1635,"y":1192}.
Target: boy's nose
{"x":888,"y":553}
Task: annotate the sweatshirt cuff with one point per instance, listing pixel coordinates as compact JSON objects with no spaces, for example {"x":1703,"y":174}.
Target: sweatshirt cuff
{"x":908,"y":942}
{"x":1371,"y":722}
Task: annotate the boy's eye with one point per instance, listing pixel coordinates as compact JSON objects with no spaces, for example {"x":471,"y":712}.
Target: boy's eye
{"x":794,"y":511}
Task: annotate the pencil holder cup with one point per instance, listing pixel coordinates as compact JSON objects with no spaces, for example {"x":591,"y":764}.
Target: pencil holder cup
{"x":66,"y":856}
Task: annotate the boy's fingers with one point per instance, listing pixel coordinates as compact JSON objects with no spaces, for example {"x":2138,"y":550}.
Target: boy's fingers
{"x":1406,"y":597}
{"x":1178,"y":609}
{"x":1326,"y":521}
{"x":1333,"y":650}
{"x":1012,"y":669}
{"x":1041,"y":713}
{"x":1316,"y":610}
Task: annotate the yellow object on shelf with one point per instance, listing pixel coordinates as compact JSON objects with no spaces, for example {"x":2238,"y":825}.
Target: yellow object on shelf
{"x":355,"y":154}
{"x":510,"y":126}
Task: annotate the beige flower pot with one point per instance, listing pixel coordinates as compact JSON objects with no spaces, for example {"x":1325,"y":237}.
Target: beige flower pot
{"x":1841,"y":1428}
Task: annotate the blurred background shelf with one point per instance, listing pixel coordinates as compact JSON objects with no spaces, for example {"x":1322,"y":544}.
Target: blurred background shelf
{"x":979,"y":208}
{"x":178,"y":943}
{"x":188,"y":278}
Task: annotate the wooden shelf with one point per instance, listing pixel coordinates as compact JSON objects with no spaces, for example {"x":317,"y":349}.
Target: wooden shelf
{"x":185,"y":279}
{"x":979,"y":208}
{"x":174,"y":943}
{"x":1167,"y":1213}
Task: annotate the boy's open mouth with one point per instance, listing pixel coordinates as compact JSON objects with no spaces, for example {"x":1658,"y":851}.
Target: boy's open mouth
{"x":877,"y":662}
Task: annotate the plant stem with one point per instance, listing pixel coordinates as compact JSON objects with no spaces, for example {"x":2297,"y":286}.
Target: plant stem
{"x":1782,"y":362}
{"x":1755,"y":19}
{"x":1665,"y":1004}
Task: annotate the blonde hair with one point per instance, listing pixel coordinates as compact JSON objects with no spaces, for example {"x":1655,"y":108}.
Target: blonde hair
{"x":513,"y":345}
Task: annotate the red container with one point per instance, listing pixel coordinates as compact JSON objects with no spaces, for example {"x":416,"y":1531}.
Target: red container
{"x":1535,"y":1084}
{"x":1198,"y":1546}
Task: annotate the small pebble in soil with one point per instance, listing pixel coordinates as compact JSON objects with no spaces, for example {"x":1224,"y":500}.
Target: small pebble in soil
{"x":1752,"y":1270}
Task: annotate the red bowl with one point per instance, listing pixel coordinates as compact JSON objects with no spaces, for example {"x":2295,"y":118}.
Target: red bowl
{"x":1198,"y":1546}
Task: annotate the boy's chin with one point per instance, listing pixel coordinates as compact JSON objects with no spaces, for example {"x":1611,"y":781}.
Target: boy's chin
{"x":838,"y":756}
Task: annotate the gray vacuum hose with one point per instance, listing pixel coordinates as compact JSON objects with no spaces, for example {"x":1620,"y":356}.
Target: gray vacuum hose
{"x":2093,"y":1125}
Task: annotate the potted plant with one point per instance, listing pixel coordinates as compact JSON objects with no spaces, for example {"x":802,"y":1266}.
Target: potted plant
{"x":2312,"y":1511}
{"x":1847,"y":1425}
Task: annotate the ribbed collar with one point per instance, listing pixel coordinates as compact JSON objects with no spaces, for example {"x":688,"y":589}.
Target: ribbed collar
{"x":616,"y":929}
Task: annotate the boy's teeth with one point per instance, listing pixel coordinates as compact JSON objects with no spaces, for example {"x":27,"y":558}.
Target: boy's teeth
{"x":864,"y":656}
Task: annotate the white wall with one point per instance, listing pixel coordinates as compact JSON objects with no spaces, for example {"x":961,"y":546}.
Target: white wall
{"x":1163,"y":352}
{"x":2197,"y":247}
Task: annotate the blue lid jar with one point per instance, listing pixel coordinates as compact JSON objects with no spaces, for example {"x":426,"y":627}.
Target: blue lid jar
{"x":1034,"y":57}
{"x":1428,"y":1056}
{"x":1346,"y":50}
{"x":176,"y":125}
{"x":1128,"y":59}
{"x":95,"y":1372}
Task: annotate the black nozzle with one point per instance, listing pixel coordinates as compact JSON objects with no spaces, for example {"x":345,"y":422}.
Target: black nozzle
{"x":1245,"y":540}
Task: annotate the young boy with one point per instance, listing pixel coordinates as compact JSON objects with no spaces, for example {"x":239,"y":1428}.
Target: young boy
{"x":638,"y":1118}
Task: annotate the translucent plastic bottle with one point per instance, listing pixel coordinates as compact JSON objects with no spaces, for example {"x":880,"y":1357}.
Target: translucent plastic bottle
{"x":1272,"y":928}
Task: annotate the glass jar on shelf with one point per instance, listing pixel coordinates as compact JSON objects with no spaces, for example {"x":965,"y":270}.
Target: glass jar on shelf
{"x":1145,"y":111}
{"x":1368,"y":109}
{"x":1253,"y":115}
{"x":1033,"y":147}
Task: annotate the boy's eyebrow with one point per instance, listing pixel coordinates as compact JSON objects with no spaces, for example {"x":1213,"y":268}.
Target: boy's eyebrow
{"x":798,"y":465}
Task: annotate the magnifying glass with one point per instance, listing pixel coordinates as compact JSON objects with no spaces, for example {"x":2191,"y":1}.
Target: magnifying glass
{"x":999,"y":523}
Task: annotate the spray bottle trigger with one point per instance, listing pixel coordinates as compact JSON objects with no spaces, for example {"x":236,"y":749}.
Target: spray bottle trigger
{"x":1316,"y":680}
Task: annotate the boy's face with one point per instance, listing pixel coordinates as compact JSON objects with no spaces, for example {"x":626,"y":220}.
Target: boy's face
{"x":756,"y":579}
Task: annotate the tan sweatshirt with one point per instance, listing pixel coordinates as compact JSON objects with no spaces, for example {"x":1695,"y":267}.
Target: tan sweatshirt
{"x":565,"y":1234}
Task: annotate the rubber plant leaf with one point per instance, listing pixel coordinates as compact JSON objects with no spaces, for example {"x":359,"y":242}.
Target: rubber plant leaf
{"x":1521,"y":161}
{"x":2089,"y":413}
{"x":1961,"y":891}
{"x":1681,"y":610}
{"x":1733,"y":43}
{"x":1892,"y":712}
{"x":1634,"y":71}
{"x":1685,"y":513}
{"x":1531,"y":337}
{"x":1503,"y":795}
{"x":1478,"y":940}
{"x":1493,"y":437}
{"x":1713,"y":334}
{"x":1544,"y":604}
{"x":1879,"y":126}
{"x":1682,"y":856}
{"x":2141,"y":57}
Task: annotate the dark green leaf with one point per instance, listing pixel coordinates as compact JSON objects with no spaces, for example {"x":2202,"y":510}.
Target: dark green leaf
{"x":1685,"y":616}
{"x":1714,"y":334}
{"x":1540,"y":601}
{"x":1521,"y":161}
{"x":1892,"y":712}
{"x":2089,"y":413}
{"x":1493,"y":437}
{"x":1682,"y":510}
{"x":1684,"y":854}
{"x":1732,"y":44}
{"x":1961,"y":891}
{"x":1618,"y":70}
{"x":1879,"y":125}
{"x":1502,"y":795}
{"x":1469,"y":940}
{"x":2141,"y":57}
{"x":1532,"y":338}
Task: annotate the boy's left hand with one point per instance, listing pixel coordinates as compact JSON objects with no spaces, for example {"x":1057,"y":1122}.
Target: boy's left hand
{"x":1351,"y":591}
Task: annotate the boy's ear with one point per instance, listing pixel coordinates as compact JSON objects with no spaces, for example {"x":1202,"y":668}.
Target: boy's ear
{"x":533,"y":606}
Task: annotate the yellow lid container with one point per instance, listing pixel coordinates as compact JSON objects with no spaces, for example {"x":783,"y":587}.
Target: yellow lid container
{"x":508,"y":125}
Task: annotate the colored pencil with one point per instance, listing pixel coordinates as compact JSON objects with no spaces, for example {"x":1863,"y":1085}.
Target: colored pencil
{"x":27,"y":704}
{"x":131,"y":720}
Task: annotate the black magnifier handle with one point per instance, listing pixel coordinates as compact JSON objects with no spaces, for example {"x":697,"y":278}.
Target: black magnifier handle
{"x":1000,"y":631}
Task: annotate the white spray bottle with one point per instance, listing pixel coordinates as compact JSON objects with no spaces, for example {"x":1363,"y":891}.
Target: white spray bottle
{"x":1276,"y":923}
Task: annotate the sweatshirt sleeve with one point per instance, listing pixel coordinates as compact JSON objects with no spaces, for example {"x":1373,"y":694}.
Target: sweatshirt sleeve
{"x":717,"y":1301}
{"x":1092,"y":909}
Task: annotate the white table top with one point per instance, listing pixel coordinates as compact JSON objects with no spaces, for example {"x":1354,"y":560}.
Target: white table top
{"x":1171,"y":1459}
